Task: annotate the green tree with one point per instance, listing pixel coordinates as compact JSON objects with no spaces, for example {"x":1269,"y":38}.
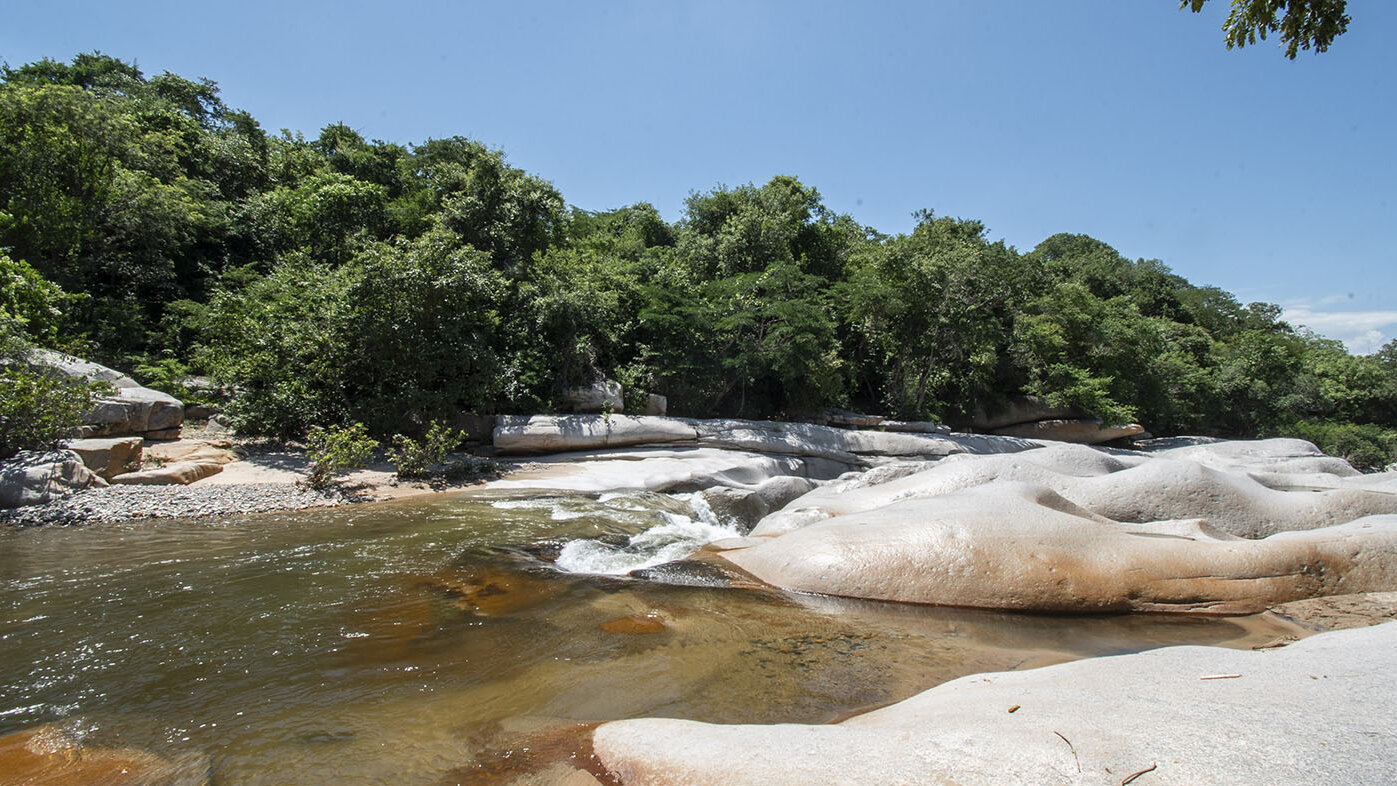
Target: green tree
{"x":1301,"y":23}
{"x":931,"y":313}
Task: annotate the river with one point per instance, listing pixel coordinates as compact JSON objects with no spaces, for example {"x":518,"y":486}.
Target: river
{"x":404,"y":642}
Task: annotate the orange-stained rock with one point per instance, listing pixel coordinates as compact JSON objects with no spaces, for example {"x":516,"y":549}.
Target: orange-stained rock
{"x":50,"y":756}
{"x":635,"y":625}
{"x":492,"y":592}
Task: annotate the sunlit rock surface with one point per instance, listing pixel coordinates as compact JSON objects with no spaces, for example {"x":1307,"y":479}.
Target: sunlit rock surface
{"x":523,"y":435}
{"x":1314,"y":710}
{"x":1012,"y":545}
{"x":1074,"y":529}
{"x":1217,"y":483}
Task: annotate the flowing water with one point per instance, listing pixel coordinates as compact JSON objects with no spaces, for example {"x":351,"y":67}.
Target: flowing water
{"x":394,"y":643}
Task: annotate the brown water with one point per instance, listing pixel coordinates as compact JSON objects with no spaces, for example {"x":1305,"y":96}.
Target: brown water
{"x":395,"y":643}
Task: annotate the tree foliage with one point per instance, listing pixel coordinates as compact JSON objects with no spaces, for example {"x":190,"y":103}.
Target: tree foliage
{"x":1301,"y":23}
{"x":338,"y":280}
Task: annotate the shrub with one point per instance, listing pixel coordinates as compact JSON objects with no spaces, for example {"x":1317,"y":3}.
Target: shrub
{"x":1367,"y":447}
{"x":332,"y":450}
{"x":38,"y":408}
{"x":412,"y":458}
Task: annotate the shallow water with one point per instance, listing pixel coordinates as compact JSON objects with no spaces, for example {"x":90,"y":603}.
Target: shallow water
{"x":394,"y":643}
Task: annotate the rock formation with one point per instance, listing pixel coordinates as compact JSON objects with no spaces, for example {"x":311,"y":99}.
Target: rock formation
{"x":132,"y":410}
{"x":1314,"y":710}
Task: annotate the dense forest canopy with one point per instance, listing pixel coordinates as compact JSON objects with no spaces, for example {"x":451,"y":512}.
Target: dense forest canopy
{"x":338,"y":279}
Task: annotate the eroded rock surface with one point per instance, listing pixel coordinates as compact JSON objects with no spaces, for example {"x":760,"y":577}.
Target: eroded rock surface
{"x":1012,"y":545}
{"x":1071,"y":528}
{"x":1197,"y":715}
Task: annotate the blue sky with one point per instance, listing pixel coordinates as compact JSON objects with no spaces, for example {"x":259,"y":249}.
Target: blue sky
{"x":1127,"y":121}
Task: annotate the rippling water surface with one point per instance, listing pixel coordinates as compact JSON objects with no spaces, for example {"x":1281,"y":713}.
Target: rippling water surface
{"x":394,"y":643}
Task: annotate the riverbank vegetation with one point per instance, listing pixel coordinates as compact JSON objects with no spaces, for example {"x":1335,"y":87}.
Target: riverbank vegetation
{"x":337,"y":280}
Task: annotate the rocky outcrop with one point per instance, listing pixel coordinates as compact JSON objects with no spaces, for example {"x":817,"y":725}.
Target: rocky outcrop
{"x":1034,"y":418}
{"x":108,"y":457}
{"x":180,"y":473}
{"x":741,"y":508}
{"x":132,"y":410}
{"x":1013,"y":545}
{"x":1124,"y":486}
{"x":516,"y":435}
{"x":35,"y":477}
{"x":1198,"y":715}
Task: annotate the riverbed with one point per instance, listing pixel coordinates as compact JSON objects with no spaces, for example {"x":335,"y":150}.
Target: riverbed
{"x":418,"y":641}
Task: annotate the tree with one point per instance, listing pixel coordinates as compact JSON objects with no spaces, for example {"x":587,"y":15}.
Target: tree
{"x":1301,"y":23}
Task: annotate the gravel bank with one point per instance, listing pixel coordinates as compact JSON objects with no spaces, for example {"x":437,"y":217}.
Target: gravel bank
{"x":124,"y":503}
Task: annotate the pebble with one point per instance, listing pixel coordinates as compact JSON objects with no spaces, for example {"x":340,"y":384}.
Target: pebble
{"x":125,"y":503}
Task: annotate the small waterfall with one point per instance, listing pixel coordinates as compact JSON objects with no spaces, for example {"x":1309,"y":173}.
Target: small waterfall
{"x":675,"y":537}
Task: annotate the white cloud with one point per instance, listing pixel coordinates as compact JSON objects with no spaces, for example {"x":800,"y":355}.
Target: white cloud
{"x":1363,"y":332}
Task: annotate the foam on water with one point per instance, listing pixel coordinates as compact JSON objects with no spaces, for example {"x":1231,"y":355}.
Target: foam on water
{"x":675,"y":537}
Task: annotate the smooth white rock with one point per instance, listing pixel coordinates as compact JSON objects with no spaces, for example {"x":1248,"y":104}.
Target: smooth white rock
{"x":1315,"y":711}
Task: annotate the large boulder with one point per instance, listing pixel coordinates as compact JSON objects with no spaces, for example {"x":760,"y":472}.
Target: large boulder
{"x":131,"y":410}
{"x":109,"y":456}
{"x":600,"y":396}
{"x":655,"y":404}
{"x":1311,"y":711}
{"x":35,"y":477}
{"x":562,"y":433}
{"x":559,"y":433}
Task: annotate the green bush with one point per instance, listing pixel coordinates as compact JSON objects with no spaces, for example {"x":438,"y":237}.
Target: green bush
{"x":1367,"y":447}
{"x":412,"y":458}
{"x":38,"y":408}
{"x":333,"y":450}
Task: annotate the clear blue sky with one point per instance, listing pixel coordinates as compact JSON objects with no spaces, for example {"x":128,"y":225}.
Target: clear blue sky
{"x":1128,"y":121}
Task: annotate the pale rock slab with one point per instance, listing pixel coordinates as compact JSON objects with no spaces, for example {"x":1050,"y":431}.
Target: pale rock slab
{"x":564,"y":433}
{"x":1311,"y":711}
{"x":178,"y":473}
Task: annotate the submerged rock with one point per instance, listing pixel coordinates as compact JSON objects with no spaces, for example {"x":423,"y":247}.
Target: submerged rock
{"x":635,"y":625}
{"x":53,"y":756}
{"x":1198,"y":715}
